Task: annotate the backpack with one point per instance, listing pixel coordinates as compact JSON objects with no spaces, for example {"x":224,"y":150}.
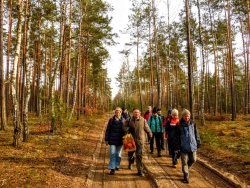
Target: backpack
{"x":152,"y":118}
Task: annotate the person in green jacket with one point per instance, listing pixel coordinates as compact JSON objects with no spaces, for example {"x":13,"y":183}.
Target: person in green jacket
{"x":156,"y":126}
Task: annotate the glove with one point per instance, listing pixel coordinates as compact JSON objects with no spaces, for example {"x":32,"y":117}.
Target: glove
{"x":131,"y":130}
{"x":149,"y":140}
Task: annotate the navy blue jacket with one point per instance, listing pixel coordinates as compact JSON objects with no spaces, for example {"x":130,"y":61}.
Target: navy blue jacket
{"x":114,"y":132}
{"x":126,"y":115}
{"x":186,"y":138}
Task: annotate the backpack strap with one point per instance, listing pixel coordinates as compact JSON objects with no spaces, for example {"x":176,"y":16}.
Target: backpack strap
{"x":123,"y":120}
{"x":179,"y":125}
{"x":111,"y":121}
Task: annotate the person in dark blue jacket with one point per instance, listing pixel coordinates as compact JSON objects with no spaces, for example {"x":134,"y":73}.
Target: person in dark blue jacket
{"x":186,"y":140}
{"x":113,"y":137}
{"x":125,"y":113}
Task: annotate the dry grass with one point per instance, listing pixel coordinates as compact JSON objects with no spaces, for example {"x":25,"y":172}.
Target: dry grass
{"x":227,"y":144}
{"x":46,"y":158}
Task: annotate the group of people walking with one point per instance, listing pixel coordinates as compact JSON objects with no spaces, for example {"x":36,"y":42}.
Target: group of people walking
{"x":182,"y":137}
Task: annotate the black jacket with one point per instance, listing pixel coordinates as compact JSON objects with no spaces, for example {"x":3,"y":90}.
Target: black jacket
{"x":126,"y":115}
{"x":114,"y":132}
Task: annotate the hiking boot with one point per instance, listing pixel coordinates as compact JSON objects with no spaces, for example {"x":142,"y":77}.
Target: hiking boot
{"x":186,"y":179}
{"x":112,"y":172}
{"x":159,"y":154}
{"x":175,"y":166}
{"x":130,"y":166}
{"x":152,"y":152}
{"x":162,"y":148}
{"x":117,"y":169}
{"x":140,"y":173}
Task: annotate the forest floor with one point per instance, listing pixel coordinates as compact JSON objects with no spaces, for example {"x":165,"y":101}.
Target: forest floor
{"x":76,"y":156}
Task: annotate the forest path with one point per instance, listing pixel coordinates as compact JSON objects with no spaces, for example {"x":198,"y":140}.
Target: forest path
{"x":160,"y":173}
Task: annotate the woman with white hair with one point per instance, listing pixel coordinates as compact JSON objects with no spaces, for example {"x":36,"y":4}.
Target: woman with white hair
{"x":170,"y":129}
{"x":113,"y":137}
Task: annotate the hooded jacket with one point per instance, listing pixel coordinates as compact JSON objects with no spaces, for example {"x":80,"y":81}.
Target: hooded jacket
{"x":186,"y":137}
{"x":126,"y":115}
{"x":114,"y":132}
{"x":170,"y":127}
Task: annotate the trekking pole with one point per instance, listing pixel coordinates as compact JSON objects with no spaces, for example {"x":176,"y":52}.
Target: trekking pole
{"x":147,"y":147}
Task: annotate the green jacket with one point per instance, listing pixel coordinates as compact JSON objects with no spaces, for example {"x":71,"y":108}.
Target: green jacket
{"x":155,"y":127}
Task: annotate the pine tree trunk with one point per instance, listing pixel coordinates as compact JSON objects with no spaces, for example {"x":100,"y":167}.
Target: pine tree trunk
{"x":26,"y":63}
{"x":156,"y":59}
{"x":38,"y":100}
{"x":16,"y":118}
{"x":138,"y":68}
{"x":7,"y":92}
{"x":151,"y":65}
{"x":248,"y":44}
{"x":3,"y":99}
{"x":190,"y":75}
{"x":57,"y":66}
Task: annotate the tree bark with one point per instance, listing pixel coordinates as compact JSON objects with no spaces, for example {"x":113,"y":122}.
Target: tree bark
{"x":26,"y":63}
{"x":3,"y":101}
{"x":16,"y":118}
{"x":190,"y":75}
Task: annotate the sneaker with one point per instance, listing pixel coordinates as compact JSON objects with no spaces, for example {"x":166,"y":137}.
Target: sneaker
{"x":175,"y":166}
{"x":117,"y":169}
{"x":112,"y":172}
{"x":140,"y":173}
{"x":130,"y":166}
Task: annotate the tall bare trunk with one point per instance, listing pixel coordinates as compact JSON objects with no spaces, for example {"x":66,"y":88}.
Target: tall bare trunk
{"x":57,"y":66}
{"x":16,"y":118}
{"x":203,"y":69}
{"x":3,"y":101}
{"x":156,"y":58}
{"x":28,"y":92}
{"x":8,"y":60}
{"x":190,"y":75}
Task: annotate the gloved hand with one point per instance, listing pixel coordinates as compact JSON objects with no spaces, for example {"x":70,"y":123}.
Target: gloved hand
{"x":149,"y":140}
{"x":131,"y":130}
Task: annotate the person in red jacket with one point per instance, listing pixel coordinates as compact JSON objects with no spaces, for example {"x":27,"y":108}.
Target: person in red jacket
{"x":147,"y":114}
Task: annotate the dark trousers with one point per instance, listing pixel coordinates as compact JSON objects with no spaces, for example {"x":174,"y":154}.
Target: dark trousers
{"x":157,"y":137}
{"x":175,"y":156}
{"x":162,"y":141}
{"x":138,"y":155}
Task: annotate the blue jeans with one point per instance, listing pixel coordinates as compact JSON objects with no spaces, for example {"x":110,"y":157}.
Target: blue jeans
{"x":115,"y":156}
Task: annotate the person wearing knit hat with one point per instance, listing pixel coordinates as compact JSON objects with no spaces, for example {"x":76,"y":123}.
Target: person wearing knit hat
{"x":147,"y":114}
{"x":113,"y":137}
{"x":170,"y":129}
{"x":162,"y":118}
{"x":186,"y":141}
{"x":156,"y":126}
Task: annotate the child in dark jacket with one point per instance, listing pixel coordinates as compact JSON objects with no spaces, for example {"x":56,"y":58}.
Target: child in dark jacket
{"x":186,"y":140}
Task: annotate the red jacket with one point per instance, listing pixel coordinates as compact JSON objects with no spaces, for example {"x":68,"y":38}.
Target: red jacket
{"x":147,"y":115}
{"x":166,"y":119}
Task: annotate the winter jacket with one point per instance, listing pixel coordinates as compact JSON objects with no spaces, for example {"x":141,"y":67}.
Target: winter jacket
{"x":186,"y":137}
{"x":140,"y":126}
{"x":162,"y":118}
{"x":126,"y":115}
{"x":114,"y":132}
{"x":170,"y":127}
{"x":155,"y":124}
{"x":146,"y":115}
{"x":166,"y":119}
